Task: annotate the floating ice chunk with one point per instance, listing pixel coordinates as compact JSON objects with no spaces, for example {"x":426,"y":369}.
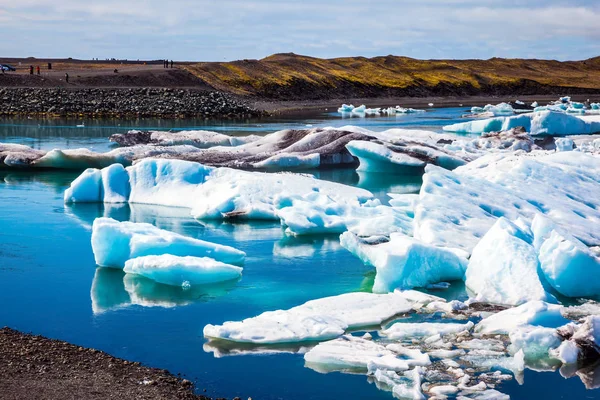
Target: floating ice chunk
{"x":115,"y":184}
{"x":86,"y":188}
{"x":535,"y":342}
{"x":350,"y":353}
{"x":175,"y":271}
{"x":346,"y":108}
{"x":316,"y":320}
{"x":317,"y":213}
{"x":402,"y":330}
{"x":443,"y":390}
{"x":113,"y":243}
{"x":511,"y":140}
{"x":200,"y":139}
{"x":569,"y":266}
{"x":536,"y":313}
{"x":286,"y":160}
{"x":503,"y":268}
{"x":516,"y":363}
{"x":567,"y":352}
{"x":563,"y":144}
{"x":413,"y":390}
{"x":543,"y":123}
{"x":534,"y":104}
{"x":405,"y":262}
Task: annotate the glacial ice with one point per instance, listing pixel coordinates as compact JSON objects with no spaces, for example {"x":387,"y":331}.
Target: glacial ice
{"x":316,"y":320}
{"x":543,"y":123}
{"x":403,"y":330}
{"x":113,"y":243}
{"x":503,"y":268}
{"x":349,"y":353}
{"x":211,"y":193}
{"x":535,"y":342}
{"x":564,"y":260}
{"x":535,"y":313}
{"x":456,"y":208}
{"x":171,"y":270}
{"x":200,"y":139}
{"x":405,"y":262}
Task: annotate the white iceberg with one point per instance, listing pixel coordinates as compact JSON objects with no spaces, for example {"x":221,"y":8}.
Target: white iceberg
{"x":405,"y":262}
{"x":404,"y":330}
{"x":569,"y":266}
{"x":535,"y":342}
{"x":177,"y":271}
{"x":535,"y":313}
{"x":113,"y":243}
{"x":316,"y":320}
{"x":503,"y":268}
{"x":543,"y":123}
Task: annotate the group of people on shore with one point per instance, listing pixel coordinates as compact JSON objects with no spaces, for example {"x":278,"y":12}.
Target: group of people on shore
{"x":166,"y":63}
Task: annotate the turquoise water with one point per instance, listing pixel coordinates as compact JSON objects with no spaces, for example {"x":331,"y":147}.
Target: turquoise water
{"x":49,"y":283}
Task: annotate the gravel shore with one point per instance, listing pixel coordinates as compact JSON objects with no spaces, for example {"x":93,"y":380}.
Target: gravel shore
{"x":123,"y":103}
{"x":34,"y":367}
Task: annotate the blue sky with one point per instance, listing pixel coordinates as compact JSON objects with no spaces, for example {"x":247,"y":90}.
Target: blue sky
{"x":237,"y":29}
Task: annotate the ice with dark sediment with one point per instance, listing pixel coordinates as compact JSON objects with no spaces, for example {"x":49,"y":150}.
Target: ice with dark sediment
{"x":200,"y":139}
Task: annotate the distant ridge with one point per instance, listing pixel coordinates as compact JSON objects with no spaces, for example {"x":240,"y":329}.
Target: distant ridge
{"x":288,"y":76}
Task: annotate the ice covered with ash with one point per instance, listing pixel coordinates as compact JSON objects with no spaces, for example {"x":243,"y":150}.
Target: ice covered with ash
{"x":200,"y":139}
{"x":114,"y":242}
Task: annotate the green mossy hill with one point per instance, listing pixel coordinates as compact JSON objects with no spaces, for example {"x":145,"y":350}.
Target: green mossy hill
{"x":295,"y":77}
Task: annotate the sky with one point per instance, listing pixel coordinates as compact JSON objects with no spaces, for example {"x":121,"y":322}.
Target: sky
{"x":202,"y":30}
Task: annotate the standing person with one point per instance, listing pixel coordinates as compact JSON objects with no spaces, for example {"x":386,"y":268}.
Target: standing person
{"x":38,"y":69}
{"x":171,"y":63}
{"x":66,"y":77}
{"x":31,"y":70}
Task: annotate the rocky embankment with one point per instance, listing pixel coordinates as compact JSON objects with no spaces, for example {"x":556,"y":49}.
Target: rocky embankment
{"x":34,"y":367}
{"x":123,"y":102}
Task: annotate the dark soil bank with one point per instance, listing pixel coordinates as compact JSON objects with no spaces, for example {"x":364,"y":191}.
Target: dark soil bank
{"x":34,"y":367}
{"x":123,"y":102}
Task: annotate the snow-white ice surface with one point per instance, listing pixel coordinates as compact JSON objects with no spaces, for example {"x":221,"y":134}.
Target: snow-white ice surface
{"x":211,"y":193}
{"x":405,"y":262}
{"x":114,"y":242}
{"x":569,"y":266}
{"x":316,"y":213}
{"x":535,"y":313}
{"x":316,"y":320}
{"x":176,"y":271}
{"x":350,"y":352}
{"x":541,"y":123}
{"x":403,"y":330}
{"x":503,"y":268}
{"x":536,"y":342}
{"x":457,"y":208}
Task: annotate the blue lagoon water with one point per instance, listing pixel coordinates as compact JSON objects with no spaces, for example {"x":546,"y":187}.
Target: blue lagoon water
{"x":50,"y":285}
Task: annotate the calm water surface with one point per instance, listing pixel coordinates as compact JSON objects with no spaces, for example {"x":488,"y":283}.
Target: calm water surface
{"x":50,"y":285}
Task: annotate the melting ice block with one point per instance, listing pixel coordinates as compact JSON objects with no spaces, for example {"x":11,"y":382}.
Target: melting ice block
{"x":348,"y":353}
{"x":544,"y":123}
{"x":503,"y":268}
{"x":536,"y":342}
{"x":569,"y":266}
{"x":316,"y":320}
{"x":176,"y":271}
{"x":116,"y":242}
{"x":211,"y":193}
{"x":403,"y":330}
{"x":405,"y":262}
{"x":536,"y":313}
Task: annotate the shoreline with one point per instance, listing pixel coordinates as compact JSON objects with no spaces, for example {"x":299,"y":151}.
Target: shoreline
{"x":34,"y":367}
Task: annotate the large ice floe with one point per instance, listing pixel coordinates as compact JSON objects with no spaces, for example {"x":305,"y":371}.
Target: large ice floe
{"x":200,"y":139}
{"x":316,"y":320}
{"x":543,"y":123}
{"x":114,"y":243}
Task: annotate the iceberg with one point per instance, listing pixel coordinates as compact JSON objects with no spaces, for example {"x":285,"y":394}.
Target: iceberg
{"x":200,"y":139}
{"x":503,"y":268}
{"x":457,"y":208}
{"x":535,"y":313}
{"x":569,"y":266}
{"x":113,"y":243}
{"x":178,"y":271}
{"x":543,"y":123}
{"x":405,"y":262}
{"x":316,"y":213}
{"x":316,"y":320}
{"x":210,"y":193}
{"x":405,"y":330}
{"x":349,"y":353}
{"x":535,"y":342}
